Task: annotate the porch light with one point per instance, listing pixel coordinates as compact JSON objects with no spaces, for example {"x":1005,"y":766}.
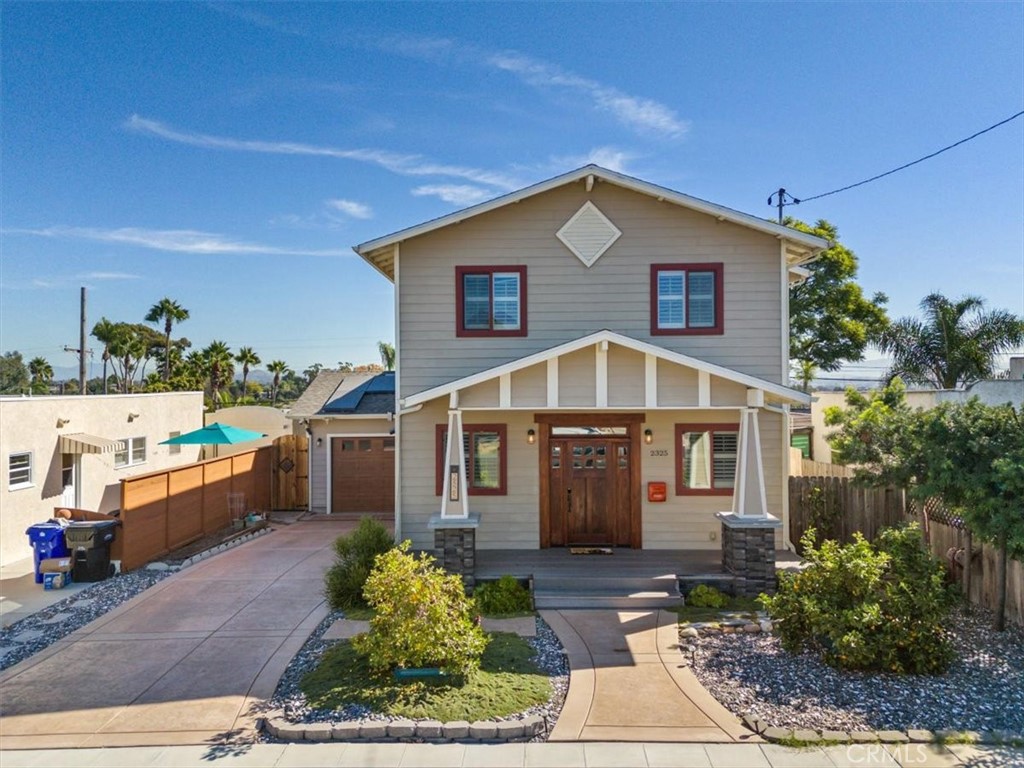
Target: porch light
{"x":132,"y":417}
{"x":648,"y":436}
{"x":61,"y":423}
{"x":531,"y":436}
{"x":319,"y":442}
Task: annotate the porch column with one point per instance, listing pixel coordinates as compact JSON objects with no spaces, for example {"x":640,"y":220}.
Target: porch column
{"x":748,"y":530}
{"x":455,"y":528}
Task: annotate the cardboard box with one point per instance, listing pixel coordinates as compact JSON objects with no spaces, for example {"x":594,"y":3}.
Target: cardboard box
{"x":55,"y":580}
{"x":56,"y":565}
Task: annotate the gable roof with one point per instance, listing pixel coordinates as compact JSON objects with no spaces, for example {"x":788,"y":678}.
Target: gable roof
{"x":801,"y":247}
{"x":780,"y":392}
{"x":344,"y":393}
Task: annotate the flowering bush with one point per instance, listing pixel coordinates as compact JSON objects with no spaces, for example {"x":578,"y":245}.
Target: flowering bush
{"x":423,"y":617}
{"x":860,"y":606}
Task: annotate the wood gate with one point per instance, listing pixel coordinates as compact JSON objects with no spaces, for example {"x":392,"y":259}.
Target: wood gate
{"x":290,"y":472}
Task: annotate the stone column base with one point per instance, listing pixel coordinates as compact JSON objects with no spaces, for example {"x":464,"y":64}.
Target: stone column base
{"x":748,"y":552}
{"x":455,"y":546}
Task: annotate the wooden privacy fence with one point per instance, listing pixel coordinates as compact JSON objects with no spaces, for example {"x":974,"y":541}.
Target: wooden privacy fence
{"x":290,"y":467}
{"x":837,"y":509}
{"x":811,"y":468}
{"x":164,"y":510}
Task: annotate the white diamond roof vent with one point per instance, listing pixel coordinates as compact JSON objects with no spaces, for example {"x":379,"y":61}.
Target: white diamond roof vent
{"x":588,"y":234}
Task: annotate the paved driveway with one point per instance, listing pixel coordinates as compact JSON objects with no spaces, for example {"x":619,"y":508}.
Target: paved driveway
{"x":190,"y":660}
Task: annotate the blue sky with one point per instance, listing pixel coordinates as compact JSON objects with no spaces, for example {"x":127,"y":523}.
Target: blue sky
{"x":229,"y":155}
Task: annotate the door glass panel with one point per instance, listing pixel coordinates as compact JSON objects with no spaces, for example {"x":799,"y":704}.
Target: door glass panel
{"x":364,"y":445}
{"x":600,"y":463}
{"x":623,"y":457}
{"x":601,"y":450}
{"x":588,"y":450}
{"x":589,"y":464}
{"x":556,"y":456}
{"x":348,"y":445}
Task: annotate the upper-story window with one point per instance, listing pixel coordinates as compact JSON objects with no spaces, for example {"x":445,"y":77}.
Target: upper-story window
{"x":490,"y":301}
{"x":686,"y":299}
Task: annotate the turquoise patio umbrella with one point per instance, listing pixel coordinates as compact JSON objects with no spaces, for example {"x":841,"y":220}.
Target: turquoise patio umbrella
{"x":215,"y":434}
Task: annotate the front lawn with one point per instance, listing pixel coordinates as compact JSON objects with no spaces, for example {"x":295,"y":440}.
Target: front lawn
{"x":506,"y":683}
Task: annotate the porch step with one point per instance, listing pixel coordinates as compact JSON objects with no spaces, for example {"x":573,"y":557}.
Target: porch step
{"x":607,"y":592}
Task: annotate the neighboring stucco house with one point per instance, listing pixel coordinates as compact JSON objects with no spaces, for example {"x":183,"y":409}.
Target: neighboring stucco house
{"x":349,"y":419}
{"x":74,"y":450}
{"x":615,"y":355}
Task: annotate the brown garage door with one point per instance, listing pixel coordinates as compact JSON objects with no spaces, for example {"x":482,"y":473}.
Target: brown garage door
{"x":363,"y":474}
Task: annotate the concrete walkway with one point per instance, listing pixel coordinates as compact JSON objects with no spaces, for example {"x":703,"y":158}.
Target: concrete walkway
{"x":190,"y":661}
{"x":592,"y":755}
{"x":628,"y":682}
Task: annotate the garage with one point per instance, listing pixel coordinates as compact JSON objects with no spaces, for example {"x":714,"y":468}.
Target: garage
{"x":362,"y":474}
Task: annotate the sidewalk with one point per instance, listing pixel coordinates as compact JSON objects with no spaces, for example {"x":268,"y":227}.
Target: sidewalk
{"x":549,"y":755}
{"x":628,"y":682}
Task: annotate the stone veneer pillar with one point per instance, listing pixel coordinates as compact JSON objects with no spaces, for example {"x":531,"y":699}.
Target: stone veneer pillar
{"x":455,"y":546}
{"x":748,"y":552}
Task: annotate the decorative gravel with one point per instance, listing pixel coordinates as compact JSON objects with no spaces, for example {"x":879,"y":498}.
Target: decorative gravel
{"x":34,"y":633}
{"x":291,"y":701}
{"x":982,"y":691}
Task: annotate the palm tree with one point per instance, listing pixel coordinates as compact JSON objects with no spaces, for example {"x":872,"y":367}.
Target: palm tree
{"x":246,"y":357}
{"x":42,"y":373}
{"x":955,"y":345}
{"x":387,"y":355}
{"x":170,"y":312}
{"x":104,"y":332}
{"x":221,"y":367}
{"x":279,"y":368}
{"x":804,"y":372}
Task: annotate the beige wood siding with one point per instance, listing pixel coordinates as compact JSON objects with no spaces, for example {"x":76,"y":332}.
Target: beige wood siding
{"x":530,"y":386}
{"x":625,"y":376}
{"x":576,"y":379}
{"x":676,"y":385}
{"x":506,"y":522}
{"x":725,"y":392}
{"x":566,"y":300}
{"x":485,"y":394}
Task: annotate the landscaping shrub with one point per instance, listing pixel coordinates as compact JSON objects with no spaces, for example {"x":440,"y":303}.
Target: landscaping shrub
{"x":860,"y":606}
{"x":506,"y":595}
{"x":423,"y":617}
{"x":704,"y":596}
{"x":354,"y":556}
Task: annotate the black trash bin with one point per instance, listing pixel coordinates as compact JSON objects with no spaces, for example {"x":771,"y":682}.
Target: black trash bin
{"x":89,"y":546}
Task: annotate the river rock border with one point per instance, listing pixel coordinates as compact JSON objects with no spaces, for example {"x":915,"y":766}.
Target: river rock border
{"x":428,"y":731}
{"x":216,"y":550}
{"x":690,"y":632}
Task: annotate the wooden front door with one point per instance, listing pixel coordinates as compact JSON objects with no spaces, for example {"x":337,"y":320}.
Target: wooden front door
{"x":590,"y":489}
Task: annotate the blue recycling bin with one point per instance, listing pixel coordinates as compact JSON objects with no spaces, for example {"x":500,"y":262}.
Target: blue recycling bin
{"x":47,"y":540}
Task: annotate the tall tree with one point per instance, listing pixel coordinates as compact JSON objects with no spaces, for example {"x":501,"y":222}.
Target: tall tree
{"x":954,"y":345}
{"x":314,"y":370}
{"x":103,"y":331}
{"x":279,"y":368}
{"x":42,"y":374}
{"x":831,"y":320}
{"x":220,"y":367}
{"x":170,"y":312}
{"x":387,"y":355}
{"x":130,"y":346}
{"x":246,"y":357}
{"x":14,"y":376}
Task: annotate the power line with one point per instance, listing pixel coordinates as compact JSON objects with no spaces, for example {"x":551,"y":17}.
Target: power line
{"x":781,"y":202}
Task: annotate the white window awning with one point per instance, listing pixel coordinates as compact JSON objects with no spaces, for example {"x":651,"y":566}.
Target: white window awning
{"x":80,"y":442}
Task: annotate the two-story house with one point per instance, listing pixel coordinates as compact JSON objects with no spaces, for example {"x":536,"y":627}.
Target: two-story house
{"x":615,"y":357}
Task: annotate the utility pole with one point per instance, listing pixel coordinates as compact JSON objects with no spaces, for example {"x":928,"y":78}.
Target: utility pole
{"x":781,"y":202}
{"x":81,"y":351}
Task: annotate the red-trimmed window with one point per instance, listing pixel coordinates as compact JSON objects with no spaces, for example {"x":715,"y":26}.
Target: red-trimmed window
{"x":706,"y":457}
{"x":686,"y":299}
{"x":486,"y":459}
{"x":490,"y":301}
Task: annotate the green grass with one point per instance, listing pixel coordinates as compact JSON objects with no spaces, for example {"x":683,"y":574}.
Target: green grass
{"x":507,"y":682}
{"x":359,"y":613}
{"x":742,"y":605}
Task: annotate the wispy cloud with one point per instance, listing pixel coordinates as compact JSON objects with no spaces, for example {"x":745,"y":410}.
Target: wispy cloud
{"x":402,"y":164}
{"x":351,"y":208}
{"x":607,"y":157}
{"x":456,"y":194}
{"x":171,"y":240}
{"x":108,"y":276}
{"x":645,"y":115}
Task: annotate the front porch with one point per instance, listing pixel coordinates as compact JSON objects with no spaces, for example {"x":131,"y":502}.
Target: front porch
{"x":627,"y":578}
